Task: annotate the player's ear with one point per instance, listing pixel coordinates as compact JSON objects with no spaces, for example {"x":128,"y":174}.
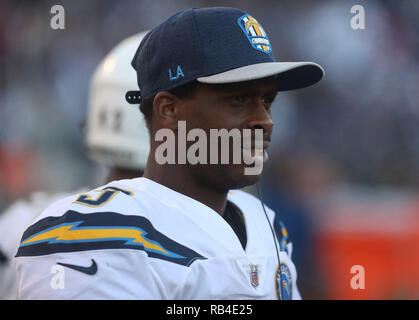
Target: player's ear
{"x":166,"y":110}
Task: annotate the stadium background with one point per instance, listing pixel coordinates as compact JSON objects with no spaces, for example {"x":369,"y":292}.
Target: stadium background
{"x":344,"y":162}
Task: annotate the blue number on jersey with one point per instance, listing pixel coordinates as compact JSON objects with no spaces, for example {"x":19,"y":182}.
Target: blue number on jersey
{"x":106,"y":195}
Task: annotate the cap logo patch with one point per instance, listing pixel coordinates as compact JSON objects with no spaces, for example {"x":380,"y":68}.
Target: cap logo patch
{"x":255,"y":33}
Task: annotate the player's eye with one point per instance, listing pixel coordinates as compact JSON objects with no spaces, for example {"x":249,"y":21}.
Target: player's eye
{"x":239,"y":100}
{"x":267,"y":101}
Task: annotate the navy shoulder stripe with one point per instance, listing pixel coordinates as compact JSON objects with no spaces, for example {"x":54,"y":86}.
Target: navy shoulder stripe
{"x":75,"y":231}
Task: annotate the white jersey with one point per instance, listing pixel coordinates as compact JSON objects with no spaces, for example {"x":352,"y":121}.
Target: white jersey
{"x":13,"y":222}
{"x":137,"y":239}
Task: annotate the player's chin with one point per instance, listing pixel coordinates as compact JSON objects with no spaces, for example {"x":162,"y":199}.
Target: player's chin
{"x":243,"y":176}
{"x":225,"y":177}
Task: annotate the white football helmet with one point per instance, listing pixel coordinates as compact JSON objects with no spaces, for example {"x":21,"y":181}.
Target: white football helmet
{"x":116,"y":133}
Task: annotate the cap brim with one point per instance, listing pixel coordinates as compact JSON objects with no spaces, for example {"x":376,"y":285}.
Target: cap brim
{"x":290,"y":75}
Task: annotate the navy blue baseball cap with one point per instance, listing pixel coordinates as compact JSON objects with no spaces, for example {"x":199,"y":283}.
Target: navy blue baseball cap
{"x":215,"y":46}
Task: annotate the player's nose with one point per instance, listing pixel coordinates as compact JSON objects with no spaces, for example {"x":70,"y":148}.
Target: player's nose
{"x":261,"y":119}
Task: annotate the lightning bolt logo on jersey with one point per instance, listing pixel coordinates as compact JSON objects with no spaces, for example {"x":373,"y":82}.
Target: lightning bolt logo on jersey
{"x":105,"y":230}
{"x":255,"y":33}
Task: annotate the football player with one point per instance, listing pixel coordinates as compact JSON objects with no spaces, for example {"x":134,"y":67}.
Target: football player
{"x":183,"y":230}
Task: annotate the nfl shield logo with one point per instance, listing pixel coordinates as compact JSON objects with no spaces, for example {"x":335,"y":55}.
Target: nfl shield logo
{"x":254,"y":276}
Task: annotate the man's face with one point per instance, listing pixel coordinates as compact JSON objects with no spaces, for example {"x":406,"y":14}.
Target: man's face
{"x":244,"y":105}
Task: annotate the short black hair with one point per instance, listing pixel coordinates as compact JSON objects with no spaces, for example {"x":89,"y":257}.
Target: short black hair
{"x":185,"y":91}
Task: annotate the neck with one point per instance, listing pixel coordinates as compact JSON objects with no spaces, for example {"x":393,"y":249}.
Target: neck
{"x":180,"y":179}
{"x":121,"y":173}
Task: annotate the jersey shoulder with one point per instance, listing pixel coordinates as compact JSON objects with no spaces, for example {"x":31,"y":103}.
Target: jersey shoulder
{"x":107,"y":217}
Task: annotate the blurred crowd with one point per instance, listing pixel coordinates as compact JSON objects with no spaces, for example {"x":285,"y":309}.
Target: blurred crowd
{"x":357,"y":127}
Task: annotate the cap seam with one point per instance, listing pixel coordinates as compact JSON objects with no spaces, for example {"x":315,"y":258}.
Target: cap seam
{"x":195,"y":23}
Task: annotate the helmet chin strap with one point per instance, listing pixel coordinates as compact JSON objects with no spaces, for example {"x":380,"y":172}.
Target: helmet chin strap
{"x":274,"y":238}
